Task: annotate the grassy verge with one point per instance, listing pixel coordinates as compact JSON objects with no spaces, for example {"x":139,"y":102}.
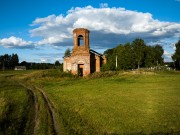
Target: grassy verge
{"x":16,"y":108}
{"x":128,"y":103}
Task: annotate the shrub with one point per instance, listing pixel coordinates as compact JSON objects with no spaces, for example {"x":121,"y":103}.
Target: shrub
{"x":104,"y":74}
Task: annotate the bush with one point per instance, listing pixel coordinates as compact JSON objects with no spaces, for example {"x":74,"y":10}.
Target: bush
{"x":104,"y":74}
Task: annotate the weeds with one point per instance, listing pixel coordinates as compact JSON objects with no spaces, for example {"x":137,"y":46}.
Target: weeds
{"x":126,"y":102}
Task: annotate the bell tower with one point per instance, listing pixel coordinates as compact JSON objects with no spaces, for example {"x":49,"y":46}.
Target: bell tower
{"x":83,"y":61}
{"x":81,"y":41}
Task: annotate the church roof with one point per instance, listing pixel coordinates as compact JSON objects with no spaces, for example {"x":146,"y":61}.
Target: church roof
{"x":96,"y":53}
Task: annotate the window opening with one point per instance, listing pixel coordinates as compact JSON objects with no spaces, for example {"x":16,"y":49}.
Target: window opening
{"x":80,"y":40}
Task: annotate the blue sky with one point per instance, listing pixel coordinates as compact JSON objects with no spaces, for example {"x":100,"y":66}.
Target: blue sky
{"x":41,"y":30}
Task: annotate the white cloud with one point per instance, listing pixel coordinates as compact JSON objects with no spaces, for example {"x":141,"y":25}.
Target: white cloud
{"x":108,"y":28}
{"x":167,"y":56}
{"x":121,"y":24}
{"x":15,"y":42}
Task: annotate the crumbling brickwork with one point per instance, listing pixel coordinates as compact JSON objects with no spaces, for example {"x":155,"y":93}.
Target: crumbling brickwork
{"x":83,"y":61}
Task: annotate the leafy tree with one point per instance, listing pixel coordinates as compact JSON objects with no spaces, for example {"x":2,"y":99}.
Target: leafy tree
{"x":139,"y":48}
{"x":133,"y":55}
{"x":9,"y":61}
{"x":128,"y":56}
{"x":67,"y":53}
{"x":14,"y":60}
{"x":158,"y":54}
{"x":149,"y":56}
{"x":57,"y":63}
{"x":176,"y":56}
{"x":124,"y":56}
{"x":109,"y":53}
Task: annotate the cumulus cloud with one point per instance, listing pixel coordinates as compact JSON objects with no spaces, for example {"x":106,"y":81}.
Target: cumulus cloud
{"x":15,"y":42}
{"x":108,"y":26}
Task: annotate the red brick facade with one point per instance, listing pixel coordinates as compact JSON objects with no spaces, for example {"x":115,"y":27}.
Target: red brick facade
{"x":83,"y":61}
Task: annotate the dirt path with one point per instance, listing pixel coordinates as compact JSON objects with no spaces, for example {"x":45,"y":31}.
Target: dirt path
{"x":51,"y":111}
{"x":34,"y":98}
{"x":53,"y":126}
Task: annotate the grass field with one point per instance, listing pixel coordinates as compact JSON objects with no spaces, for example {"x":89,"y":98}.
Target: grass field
{"x":16,"y":108}
{"x":125,"y":103}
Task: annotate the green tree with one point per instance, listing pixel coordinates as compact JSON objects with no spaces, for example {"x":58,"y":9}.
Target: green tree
{"x":109,"y":53}
{"x":14,"y":60}
{"x":139,"y":48}
{"x":7,"y":59}
{"x":176,"y":56}
{"x":124,"y":56}
{"x":158,"y":54}
{"x":149,"y":56}
{"x":67,"y":53}
{"x":134,"y":55}
{"x":57,"y":63}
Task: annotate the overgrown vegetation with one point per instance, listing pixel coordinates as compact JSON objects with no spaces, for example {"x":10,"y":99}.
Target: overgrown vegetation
{"x":118,"y":102}
{"x":16,"y":108}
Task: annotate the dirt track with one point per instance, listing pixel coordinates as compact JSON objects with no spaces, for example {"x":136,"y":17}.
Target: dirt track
{"x":49,"y":109}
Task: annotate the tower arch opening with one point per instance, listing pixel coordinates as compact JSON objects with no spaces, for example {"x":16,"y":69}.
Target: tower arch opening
{"x":80,"y":40}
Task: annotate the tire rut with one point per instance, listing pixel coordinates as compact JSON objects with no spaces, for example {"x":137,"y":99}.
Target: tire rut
{"x":50,"y":109}
{"x":51,"y":112}
{"x":35,"y":107}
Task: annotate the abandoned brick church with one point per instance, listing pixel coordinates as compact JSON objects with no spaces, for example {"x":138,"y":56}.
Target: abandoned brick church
{"x":83,"y":60}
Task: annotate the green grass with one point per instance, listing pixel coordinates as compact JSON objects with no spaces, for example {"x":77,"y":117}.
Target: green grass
{"x":15,"y":103}
{"x":124,"y":104}
{"x":110,"y":103}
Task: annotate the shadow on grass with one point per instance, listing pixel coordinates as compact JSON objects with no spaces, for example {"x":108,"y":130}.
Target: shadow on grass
{"x":16,"y":123}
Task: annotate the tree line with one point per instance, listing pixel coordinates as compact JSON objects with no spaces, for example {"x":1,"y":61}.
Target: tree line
{"x":8,"y":62}
{"x":133,"y":56}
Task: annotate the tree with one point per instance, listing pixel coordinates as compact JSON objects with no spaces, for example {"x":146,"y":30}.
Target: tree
{"x":133,"y":55}
{"x":158,"y":54}
{"x":57,"y":63}
{"x":14,"y":60}
{"x":67,"y":53}
{"x":149,"y":57}
{"x":139,"y":48}
{"x":176,"y":56}
{"x":9,"y":61}
{"x":109,"y":53}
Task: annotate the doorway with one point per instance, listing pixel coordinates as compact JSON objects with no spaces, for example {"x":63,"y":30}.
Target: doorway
{"x":80,"y":69}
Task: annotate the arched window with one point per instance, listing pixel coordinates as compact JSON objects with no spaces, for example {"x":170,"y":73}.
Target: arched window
{"x":80,"y":40}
